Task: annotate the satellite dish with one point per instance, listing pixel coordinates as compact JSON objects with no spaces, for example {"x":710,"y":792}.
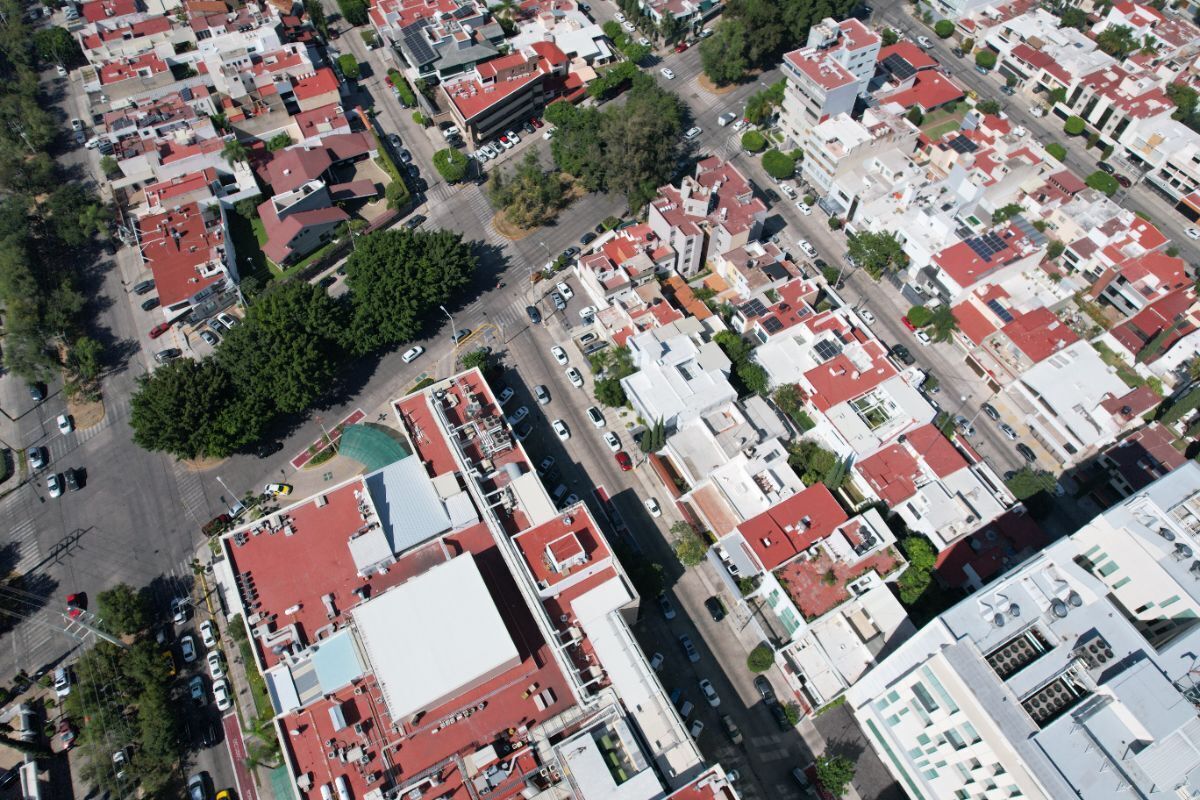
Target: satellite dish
{"x":1059,"y":608}
{"x":1074,"y":599}
{"x":998,"y":620}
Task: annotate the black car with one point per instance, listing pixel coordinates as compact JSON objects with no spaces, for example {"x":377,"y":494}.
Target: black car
{"x":394,"y":141}
{"x":1008,"y":90}
{"x":570,"y":252}
{"x":71,"y":476}
{"x":150,"y":304}
{"x":535,"y":316}
{"x":1104,"y":166}
{"x":163,"y":356}
{"x":772,"y":195}
{"x":991,"y":411}
{"x":1026,"y":453}
{"x":143,"y":287}
{"x":901,"y":354}
{"x":528,"y":128}
{"x":327,"y":281}
{"x":765,"y":690}
{"x":599,"y":229}
{"x":715,"y":608}
{"x":37,"y":392}
{"x":414,"y":221}
{"x":587,"y":238}
{"x":781,"y":717}
{"x":1125,"y":182}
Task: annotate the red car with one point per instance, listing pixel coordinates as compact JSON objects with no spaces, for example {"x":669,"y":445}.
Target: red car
{"x":159,"y":329}
{"x":908,"y":324}
{"x":535,"y":122}
{"x":76,"y":604}
{"x":679,"y":48}
{"x":625,"y":462}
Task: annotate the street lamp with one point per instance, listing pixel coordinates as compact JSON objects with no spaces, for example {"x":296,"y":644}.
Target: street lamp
{"x":453,"y":327}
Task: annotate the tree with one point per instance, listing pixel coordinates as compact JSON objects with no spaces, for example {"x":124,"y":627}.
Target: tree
{"x":762,"y":103}
{"x":1118,"y":41}
{"x":671,"y":28}
{"x":398,"y":278}
{"x":944,"y":28}
{"x":234,"y":151}
{"x":779,"y":166}
{"x":612,"y":29}
{"x":84,"y":358}
{"x":316,"y":15}
{"x":754,"y":141}
{"x":1055,"y":249}
{"x":1006,"y":212}
{"x":876,"y":252}
{"x":760,"y":659}
{"x":1103,"y":182}
{"x":690,"y":547}
{"x":654,"y":438}
{"x":985,"y":58}
{"x":988,"y":106}
{"x":610,"y":393}
{"x":1026,"y":483}
{"x":889,"y":37}
{"x":1074,"y":126}
{"x":189,"y":408}
{"x":109,"y":166}
{"x":348,"y":64}
{"x":1057,"y":151}
{"x":451,"y":164}
{"x":353,"y":11}
{"x":56,"y":45}
{"x":123,"y":609}
{"x":723,"y":55}
{"x":636,"y":52}
{"x":529,"y":195}
{"x":967,"y":45}
{"x":922,"y":558}
{"x":944,"y":323}
{"x":812,"y":462}
{"x":480,"y":359}
{"x":278,"y":142}
{"x":919,"y":316}
{"x":1186,"y":101}
{"x":835,"y":773}
{"x":1072,"y":17}
{"x":915,"y":116}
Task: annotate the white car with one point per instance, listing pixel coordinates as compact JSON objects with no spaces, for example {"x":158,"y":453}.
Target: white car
{"x":693,"y":133}
{"x":1193,"y":233}
{"x":620,"y":17}
{"x":216,"y":670}
{"x":559,"y":354}
{"x":65,"y":425}
{"x":507,"y":143}
{"x":628,"y":26}
{"x":710,"y":694}
{"x":807,"y":248}
{"x":574,"y":377}
{"x":512,"y":137}
{"x":596,"y":416}
{"x":548,"y":135}
{"x":587,"y":311}
{"x":612,"y":441}
{"x":561,"y":430}
{"x":922,"y":337}
{"x":667,"y":73}
{"x":803,"y":207}
{"x":221,"y":693}
{"x":867,"y":316}
{"x":565,"y":290}
{"x":208,"y":634}
{"x":412,"y":354}
{"x":62,"y":71}
{"x":924,"y":42}
{"x":1037,"y":112}
{"x":187,"y":647}
{"x":644,"y":42}
{"x":54,"y":486}
{"x":481,"y":155}
{"x":653,"y":507}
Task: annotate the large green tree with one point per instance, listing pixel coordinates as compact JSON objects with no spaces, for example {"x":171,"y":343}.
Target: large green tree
{"x":1118,"y":41}
{"x":723,"y":55}
{"x":56,"y":45}
{"x":353,"y":11}
{"x":451,"y":164}
{"x":876,"y":252}
{"x":529,"y":195}
{"x":398,"y":278}
{"x":191,"y":408}
{"x":123,"y":609}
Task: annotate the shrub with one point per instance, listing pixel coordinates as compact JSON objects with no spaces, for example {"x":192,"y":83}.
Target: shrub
{"x":349,"y":66}
{"x":451,"y":164}
{"x":754,"y":141}
{"x":1103,"y":182}
{"x":944,"y":28}
{"x":985,"y":59}
{"x":778,"y":165}
{"x":1073,"y":126}
{"x":920,"y":316}
{"x":1057,"y":150}
{"x":760,"y":659}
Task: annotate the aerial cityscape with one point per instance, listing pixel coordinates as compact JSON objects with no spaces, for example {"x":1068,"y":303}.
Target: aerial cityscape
{"x":626,"y":400}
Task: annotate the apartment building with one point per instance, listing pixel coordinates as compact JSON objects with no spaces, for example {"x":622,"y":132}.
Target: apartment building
{"x":826,"y":76}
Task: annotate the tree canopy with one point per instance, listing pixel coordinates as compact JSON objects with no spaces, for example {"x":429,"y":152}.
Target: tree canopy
{"x":123,"y":609}
{"x":754,"y":141}
{"x":1118,"y":41}
{"x":835,"y":773}
{"x":529,"y":195}
{"x":353,"y":11}
{"x":1103,"y":182}
{"x":1074,"y":126}
{"x":779,"y":166}
{"x":985,"y":58}
{"x":56,"y":45}
{"x":876,"y":252}
{"x":944,"y":28}
{"x":451,"y":164}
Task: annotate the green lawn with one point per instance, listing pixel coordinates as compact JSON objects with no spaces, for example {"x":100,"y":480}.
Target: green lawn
{"x":940,"y":129}
{"x":248,"y":236}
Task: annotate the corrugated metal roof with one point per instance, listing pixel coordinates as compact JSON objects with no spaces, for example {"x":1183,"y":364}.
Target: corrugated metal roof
{"x":408,"y":506}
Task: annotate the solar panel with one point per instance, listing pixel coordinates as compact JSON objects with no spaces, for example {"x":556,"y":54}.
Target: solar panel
{"x":987,"y":245}
{"x":1000,"y":311}
{"x":827,"y":349}
{"x":417,"y":45}
{"x":898,"y":67}
{"x":961,"y":144}
{"x":772,"y":324}
{"x":754,"y":308}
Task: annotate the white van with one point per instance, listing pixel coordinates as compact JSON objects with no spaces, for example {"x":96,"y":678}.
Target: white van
{"x":726,"y":118}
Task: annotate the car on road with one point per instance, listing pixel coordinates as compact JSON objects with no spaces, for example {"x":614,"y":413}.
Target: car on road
{"x":907,"y":323}
{"x":187,"y":648}
{"x":990,"y":410}
{"x":1104,"y":166}
{"x":574,"y":377}
{"x":412,"y":354}
{"x":781,"y":717}
{"x":65,"y":425}
{"x":693,"y":132}
{"x":726,"y":118}
{"x":523,"y":431}
{"x":143,"y":287}
{"x":806,"y":248}
{"x":716,"y":609}
{"x":679,"y":48}
{"x":765,"y":690}
{"x":923,"y":337}
{"x":1192,"y":233}
{"x":772,"y":196}
{"x":209,"y":338}
{"x":596,"y":416}
{"x":565,"y":290}
{"x":613,"y":442}
{"x":656,"y":661}
{"x":460,"y":334}
{"x":541,"y":394}
{"x":221,"y":693}
{"x":208,"y":634}
{"x":71,"y":478}
{"x":518,"y":415}
{"x":1008,"y":90}
{"x":924,"y":42}
{"x":624,"y":461}
{"x":560,"y":355}
{"x":181,"y":609}
{"x":414,"y":221}
{"x":803,"y":207}
{"x":159,"y":329}
{"x":668,"y":73}
{"x":867,"y":316}
{"x":666,"y":606}
{"x":1008,"y":431}
{"x":1026,"y":452}
{"x":216,"y":669}
{"x":731,"y":729}
{"x":278,"y":489}
{"x":561,"y":430}
{"x":196,"y":690}
{"x":1125,"y":182}
{"x":689,"y":649}
{"x":587,"y":238}
{"x":546,"y":466}
{"x":38,"y":457}
{"x":653,"y":507}
{"x":150,"y":303}
{"x":696,"y":729}
{"x":901,"y":354}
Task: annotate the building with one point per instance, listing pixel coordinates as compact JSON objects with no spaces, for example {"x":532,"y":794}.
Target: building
{"x":1073,"y":675}
{"x":507,"y":91}
{"x":1133,"y":463}
{"x":438,"y":626}
{"x":1165,"y":335}
{"x":437,"y":39}
{"x":838,"y":146}
{"x":826,"y":76}
{"x":186,"y":251}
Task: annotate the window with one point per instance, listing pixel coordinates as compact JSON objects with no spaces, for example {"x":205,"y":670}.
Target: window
{"x":924,"y":697}
{"x":956,"y":741}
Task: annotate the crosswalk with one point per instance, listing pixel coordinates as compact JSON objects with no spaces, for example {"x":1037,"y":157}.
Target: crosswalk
{"x":115,"y":410}
{"x":482,"y":209}
{"x":191,"y":492}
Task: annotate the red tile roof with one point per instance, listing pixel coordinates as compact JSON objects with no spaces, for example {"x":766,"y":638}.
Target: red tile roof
{"x":965,"y":266}
{"x":123,"y":69}
{"x":791,"y":526}
{"x":100,"y":10}
{"x":839,"y":380}
{"x":281,"y":232}
{"x":1039,"y":334}
{"x":972,"y":322}
{"x":147,"y":27}
{"x":159,"y":193}
{"x":892,"y":473}
{"x":938,"y":453}
{"x":1175,"y":312}
{"x":315,"y":84}
{"x":930,"y":90}
{"x":175,"y":245}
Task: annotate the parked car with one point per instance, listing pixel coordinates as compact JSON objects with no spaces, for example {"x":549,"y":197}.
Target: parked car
{"x":689,"y":649}
{"x":803,"y":208}
{"x":716,"y":609}
{"x":990,"y":410}
{"x":924,"y":42}
{"x":561,"y":430}
{"x":196,"y":690}
{"x":62,"y":682}
{"x":765,"y":690}
{"x":209,"y":338}
{"x":412,"y":354}
{"x":867,"y":316}
{"x":216,"y":669}
{"x":71,"y":478}
{"x":221,"y":693}
{"x":653,"y":507}
{"x":565,"y":290}
{"x":807,"y":248}
{"x":38,"y":457}
{"x":624,"y":461}
{"x":208,"y":634}
{"x":559,"y":303}
{"x":679,"y":48}
{"x":901,"y":354}
{"x":187,"y":648}
{"x":596,"y":416}
{"x":731,"y":729}
{"x":518,"y":415}
{"x":560,"y":355}
{"x":1008,"y":431}
{"x":587,"y":238}
{"x":541,"y":395}
{"x":613,"y":442}
{"x":574,"y":377}
{"x":228,"y":320}
{"x":710,"y":694}
{"x":1026,"y":452}
{"x":460,"y":334}
{"x":693,"y":132}
{"x":143,"y":287}
{"x":922,"y":337}
{"x":159,"y":329}
{"x":278,"y":489}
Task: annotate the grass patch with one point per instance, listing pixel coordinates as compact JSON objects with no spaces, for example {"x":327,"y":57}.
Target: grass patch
{"x":258,"y":684}
{"x":1124,"y":371}
{"x":939,"y":123}
{"x":248,"y":237}
{"x":1093,"y":310}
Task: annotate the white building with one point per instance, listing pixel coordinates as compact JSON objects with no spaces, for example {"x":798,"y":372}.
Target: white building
{"x":825,"y":77}
{"x":1074,"y":676}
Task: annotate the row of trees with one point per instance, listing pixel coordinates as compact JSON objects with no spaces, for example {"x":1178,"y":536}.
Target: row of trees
{"x":630,"y":149}
{"x":295,"y":338}
{"x":754,"y":34}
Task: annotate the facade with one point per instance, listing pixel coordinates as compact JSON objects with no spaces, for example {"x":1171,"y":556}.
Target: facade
{"x":507,"y":91}
{"x":1071,"y":676}
{"x":825,"y":77}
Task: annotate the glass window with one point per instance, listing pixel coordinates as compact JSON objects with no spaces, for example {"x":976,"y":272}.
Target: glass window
{"x":924,"y":697}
